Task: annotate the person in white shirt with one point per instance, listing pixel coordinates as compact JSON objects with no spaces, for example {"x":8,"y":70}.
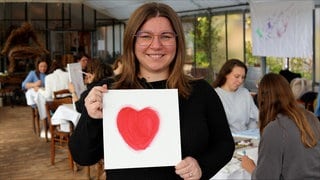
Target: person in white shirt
{"x":57,"y":79}
{"x":242,"y":113}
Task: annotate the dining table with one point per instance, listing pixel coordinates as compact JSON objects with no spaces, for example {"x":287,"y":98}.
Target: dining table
{"x":246,"y":144}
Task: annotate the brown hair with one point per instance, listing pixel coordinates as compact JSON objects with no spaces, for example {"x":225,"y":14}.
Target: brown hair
{"x":38,"y":61}
{"x":227,"y":69}
{"x":274,"y":97}
{"x":129,"y":78}
{"x":99,"y":69}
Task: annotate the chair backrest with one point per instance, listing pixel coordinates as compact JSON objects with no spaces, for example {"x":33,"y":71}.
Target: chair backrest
{"x":61,"y":94}
{"x":51,"y":106}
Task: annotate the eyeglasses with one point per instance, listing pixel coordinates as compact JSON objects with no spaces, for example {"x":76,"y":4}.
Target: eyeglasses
{"x":146,"y":38}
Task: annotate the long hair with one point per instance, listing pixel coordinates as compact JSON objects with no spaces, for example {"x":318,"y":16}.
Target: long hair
{"x":227,"y":69}
{"x":99,"y":69}
{"x":38,"y":61}
{"x":274,"y":97}
{"x":128,"y":78}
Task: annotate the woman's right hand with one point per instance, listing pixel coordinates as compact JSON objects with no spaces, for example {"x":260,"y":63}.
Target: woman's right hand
{"x":248,"y":164}
{"x":93,"y":101}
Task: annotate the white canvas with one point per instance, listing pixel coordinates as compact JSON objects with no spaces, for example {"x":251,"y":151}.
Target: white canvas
{"x":164,"y":149}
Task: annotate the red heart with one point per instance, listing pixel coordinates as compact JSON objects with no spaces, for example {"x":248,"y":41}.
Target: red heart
{"x":138,"y":128}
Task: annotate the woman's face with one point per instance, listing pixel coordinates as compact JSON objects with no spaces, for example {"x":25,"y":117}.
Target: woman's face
{"x":156,"y":57}
{"x":42,"y":66}
{"x":235,"y":78}
{"x":83,"y":61}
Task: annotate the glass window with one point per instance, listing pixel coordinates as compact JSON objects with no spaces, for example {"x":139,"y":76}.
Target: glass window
{"x":188,"y":27}
{"x":37,"y":11}
{"x":88,"y":18}
{"x":317,"y":45}
{"x":55,"y":11}
{"x":218,"y":29}
{"x":76,"y":16}
{"x":15,"y":11}
{"x":235,"y":36}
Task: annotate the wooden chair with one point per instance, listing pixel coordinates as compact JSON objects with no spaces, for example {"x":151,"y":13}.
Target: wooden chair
{"x":35,"y":120}
{"x":59,"y":139}
{"x":62,"y":94}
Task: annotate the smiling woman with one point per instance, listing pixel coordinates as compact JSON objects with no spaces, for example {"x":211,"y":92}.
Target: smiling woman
{"x":153,"y":58}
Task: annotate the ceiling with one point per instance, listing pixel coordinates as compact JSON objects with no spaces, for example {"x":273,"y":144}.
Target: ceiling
{"x":122,"y":9}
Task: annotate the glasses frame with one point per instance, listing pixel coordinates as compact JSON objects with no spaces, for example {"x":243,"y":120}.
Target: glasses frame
{"x":138,"y":35}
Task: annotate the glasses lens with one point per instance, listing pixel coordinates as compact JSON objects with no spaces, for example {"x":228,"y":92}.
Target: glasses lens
{"x":166,"y":38}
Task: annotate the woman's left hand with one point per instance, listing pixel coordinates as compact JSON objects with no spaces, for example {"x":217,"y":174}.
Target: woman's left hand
{"x":189,"y":168}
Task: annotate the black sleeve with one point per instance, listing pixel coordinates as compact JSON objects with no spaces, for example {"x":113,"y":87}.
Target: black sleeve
{"x":86,"y":142}
{"x":221,"y":144}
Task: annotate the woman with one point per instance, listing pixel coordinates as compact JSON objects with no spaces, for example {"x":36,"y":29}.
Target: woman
{"x":57,"y":79}
{"x":153,"y":57}
{"x":242,"y":113}
{"x":289,"y":147}
{"x":35,"y":80}
{"x":98,"y":71}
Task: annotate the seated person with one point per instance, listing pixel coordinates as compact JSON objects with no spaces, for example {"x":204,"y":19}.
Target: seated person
{"x":57,"y":79}
{"x":35,"y":80}
{"x":289,"y":146}
{"x":98,"y":71}
{"x":241,"y":111}
{"x":83,"y":59}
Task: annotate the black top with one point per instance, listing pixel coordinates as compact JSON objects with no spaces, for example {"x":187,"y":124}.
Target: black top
{"x":205,"y":135}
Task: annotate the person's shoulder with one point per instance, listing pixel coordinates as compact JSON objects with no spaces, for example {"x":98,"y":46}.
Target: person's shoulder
{"x":243,"y":90}
{"x":49,"y":76}
{"x":32,"y":72}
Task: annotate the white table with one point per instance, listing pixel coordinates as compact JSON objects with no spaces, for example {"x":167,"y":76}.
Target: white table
{"x":233,"y":170}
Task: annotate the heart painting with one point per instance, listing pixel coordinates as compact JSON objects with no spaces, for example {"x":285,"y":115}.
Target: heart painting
{"x":138,"y":127}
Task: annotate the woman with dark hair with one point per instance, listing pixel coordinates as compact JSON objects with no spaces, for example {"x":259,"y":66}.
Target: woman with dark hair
{"x":289,"y":146}
{"x":35,"y":80}
{"x":153,"y":58}
{"x":57,"y":79}
{"x":242,"y":113}
{"x":97,"y":71}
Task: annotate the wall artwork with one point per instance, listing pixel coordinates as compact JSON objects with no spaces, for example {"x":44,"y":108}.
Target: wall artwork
{"x":141,"y":128}
{"x":282,"y":28}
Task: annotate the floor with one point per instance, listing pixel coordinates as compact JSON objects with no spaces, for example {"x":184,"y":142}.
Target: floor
{"x":23,"y":155}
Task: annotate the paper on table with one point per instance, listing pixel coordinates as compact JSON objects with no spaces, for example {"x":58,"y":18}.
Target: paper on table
{"x":250,"y":133}
{"x":232,"y":170}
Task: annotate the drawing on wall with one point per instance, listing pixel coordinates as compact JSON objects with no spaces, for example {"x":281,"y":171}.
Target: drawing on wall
{"x":141,"y":128}
{"x":282,"y":28}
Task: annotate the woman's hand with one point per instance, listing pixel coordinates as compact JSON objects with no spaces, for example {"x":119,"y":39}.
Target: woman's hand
{"x":93,"y":101}
{"x":71,"y":87}
{"x":88,"y":78}
{"x":189,"y":168}
{"x":248,"y":164}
